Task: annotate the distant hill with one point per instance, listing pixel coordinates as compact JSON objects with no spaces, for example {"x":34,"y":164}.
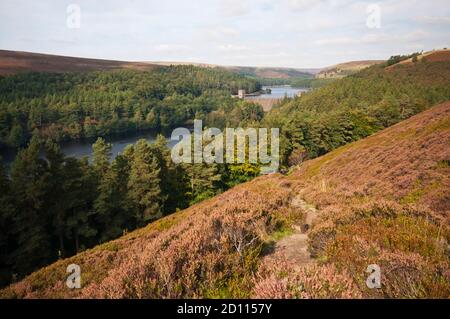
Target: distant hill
{"x":430,"y":56}
{"x":273,"y":73}
{"x":382,"y":200}
{"x":343,"y":69}
{"x":12,"y":62}
{"x":261,"y":72}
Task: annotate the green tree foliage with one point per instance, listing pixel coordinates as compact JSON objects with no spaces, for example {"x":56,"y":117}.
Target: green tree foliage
{"x":354,"y":107}
{"x":112,"y":206}
{"x":28,"y":183}
{"x":174,"y":183}
{"x":76,"y":105}
{"x":53,"y":206}
{"x":144,"y":184}
{"x":398,"y":58}
{"x":55,"y":196}
{"x":204,"y":180}
{"x":101,"y":157}
{"x":78,"y":196}
{"x":6,"y":236}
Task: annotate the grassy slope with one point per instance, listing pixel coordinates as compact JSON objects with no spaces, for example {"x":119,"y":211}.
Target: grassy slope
{"x":347,"y":68}
{"x":384,"y":200}
{"x":430,"y":56}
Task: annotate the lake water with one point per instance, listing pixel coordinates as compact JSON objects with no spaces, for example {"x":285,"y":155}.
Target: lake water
{"x":279,"y":92}
{"x":79,"y":149}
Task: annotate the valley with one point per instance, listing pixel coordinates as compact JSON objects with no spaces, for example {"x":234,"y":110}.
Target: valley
{"x":337,"y":240}
{"x":365,"y":181}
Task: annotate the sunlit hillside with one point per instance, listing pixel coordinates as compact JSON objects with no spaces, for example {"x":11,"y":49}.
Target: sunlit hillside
{"x":382,"y":200}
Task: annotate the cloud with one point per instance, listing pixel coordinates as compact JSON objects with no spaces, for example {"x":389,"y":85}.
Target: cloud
{"x":220,"y":32}
{"x":434,"y":19}
{"x":339,"y":41}
{"x":232,"y":47}
{"x":234,"y":8}
{"x":235,"y":32}
{"x":170,"y":48}
{"x":298,"y":5}
{"x":375,"y":38}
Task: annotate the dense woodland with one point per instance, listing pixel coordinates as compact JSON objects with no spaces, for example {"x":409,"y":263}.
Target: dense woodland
{"x":357,"y":106}
{"x":71,"y":106}
{"x":57,"y":206}
{"x":300,"y":82}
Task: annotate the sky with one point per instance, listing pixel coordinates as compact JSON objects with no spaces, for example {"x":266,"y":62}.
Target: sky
{"x":283,"y":33}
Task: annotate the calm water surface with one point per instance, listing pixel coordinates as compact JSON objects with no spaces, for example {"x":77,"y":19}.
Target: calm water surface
{"x":279,"y":92}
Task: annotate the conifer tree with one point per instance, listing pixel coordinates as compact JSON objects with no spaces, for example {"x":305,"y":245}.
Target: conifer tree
{"x":6,"y":214}
{"x":78,"y":188}
{"x":28,"y":183}
{"x":144,"y":184}
{"x":55,"y":194}
{"x":204,"y":181}
{"x":173,"y":177}
{"x":111,"y":205}
{"x":101,"y":156}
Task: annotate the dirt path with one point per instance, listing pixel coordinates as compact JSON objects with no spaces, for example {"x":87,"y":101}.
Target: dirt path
{"x":295,"y":246}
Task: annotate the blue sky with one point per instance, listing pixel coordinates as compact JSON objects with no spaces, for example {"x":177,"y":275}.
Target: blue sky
{"x":294,"y":33}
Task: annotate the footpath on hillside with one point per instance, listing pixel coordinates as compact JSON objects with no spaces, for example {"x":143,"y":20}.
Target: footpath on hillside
{"x":294,"y":247}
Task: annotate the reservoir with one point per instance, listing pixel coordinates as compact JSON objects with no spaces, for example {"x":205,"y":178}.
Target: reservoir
{"x":82,"y":148}
{"x":279,"y":92}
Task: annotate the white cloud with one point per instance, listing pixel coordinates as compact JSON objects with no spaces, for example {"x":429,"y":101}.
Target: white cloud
{"x":170,"y":48}
{"x":338,"y":41}
{"x":220,"y":32}
{"x":298,"y":5}
{"x":234,"y":8}
{"x":375,"y":38}
{"x":246,"y":32}
{"x":434,"y":19}
{"x":232,"y":47}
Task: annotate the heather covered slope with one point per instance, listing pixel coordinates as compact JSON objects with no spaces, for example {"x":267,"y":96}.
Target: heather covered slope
{"x":382,"y":200}
{"x":406,"y":163}
{"x":13,"y":62}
